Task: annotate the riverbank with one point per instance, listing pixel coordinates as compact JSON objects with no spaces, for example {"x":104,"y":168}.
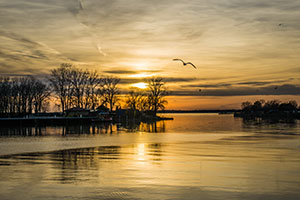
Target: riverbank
{"x":268,"y":115}
{"x":31,"y":121}
{"x":60,"y":120}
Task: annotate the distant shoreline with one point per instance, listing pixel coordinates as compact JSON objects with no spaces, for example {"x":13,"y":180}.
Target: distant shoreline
{"x":229,"y":111}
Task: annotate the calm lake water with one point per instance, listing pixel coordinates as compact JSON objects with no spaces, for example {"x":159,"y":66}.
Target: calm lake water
{"x":195,"y":156}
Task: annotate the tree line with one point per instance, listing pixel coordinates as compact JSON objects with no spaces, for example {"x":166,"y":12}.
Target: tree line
{"x":150,"y":100}
{"x":269,"y":106}
{"x":74,"y":87}
{"x":23,"y":95}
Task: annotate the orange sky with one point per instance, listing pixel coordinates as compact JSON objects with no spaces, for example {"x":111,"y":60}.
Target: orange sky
{"x":243,"y":49}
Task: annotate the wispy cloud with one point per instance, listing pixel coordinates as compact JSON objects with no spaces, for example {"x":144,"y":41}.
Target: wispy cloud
{"x":218,"y":85}
{"x":261,"y":83}
{"x":178,"y":79}
{"x":165,"y":79}
{"x":129,"y":72}
{"x":238,"y":46}
{"x":253,"y":84}
{"x":286,"y":89}
{"x":23,"y":54}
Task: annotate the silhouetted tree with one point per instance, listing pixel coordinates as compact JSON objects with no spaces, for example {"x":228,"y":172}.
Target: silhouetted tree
{"x":77,"y":88}
{"x":134,"y":99}
{"x":246,"y":106}
{"x":143,"y":103}
{"x":110,"y":91}
{"x":273,"y":108}
{"x":93,"y":96}
{"x":79,"y":84}
{"x":60,"y":81}
{"x":22,"y":95}
{"x":290,"y":106}
{"x":5,"y":97}
{"x":272,"y":105}
{"x":41,"y":93}
{"x":258,"y":105}
{"x":157,"y":92}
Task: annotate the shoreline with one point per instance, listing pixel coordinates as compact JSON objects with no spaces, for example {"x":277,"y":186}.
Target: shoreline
{"x":53,"y":120}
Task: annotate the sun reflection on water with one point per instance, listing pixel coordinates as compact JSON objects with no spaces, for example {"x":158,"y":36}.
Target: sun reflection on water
{"x":141,"y":152}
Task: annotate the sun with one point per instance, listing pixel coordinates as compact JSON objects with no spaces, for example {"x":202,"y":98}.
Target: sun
{"x":140,"y":85}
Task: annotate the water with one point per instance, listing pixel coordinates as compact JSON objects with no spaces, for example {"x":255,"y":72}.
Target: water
{"x":195,"y":156}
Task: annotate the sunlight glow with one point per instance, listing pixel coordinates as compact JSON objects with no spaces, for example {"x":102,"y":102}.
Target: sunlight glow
{"x":140,"y":85}
{"x":138,"y":65}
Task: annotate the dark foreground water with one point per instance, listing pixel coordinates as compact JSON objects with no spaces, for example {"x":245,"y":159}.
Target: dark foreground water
{"x":196,"y":156}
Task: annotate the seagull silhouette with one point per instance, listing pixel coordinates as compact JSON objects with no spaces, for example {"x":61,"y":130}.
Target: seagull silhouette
{"x":185,"y":63}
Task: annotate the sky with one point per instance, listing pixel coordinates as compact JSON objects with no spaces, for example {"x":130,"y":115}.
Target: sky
{"x":243,"y":49}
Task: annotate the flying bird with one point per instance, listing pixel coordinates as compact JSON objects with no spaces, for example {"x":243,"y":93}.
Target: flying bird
{"x":185,"y":63}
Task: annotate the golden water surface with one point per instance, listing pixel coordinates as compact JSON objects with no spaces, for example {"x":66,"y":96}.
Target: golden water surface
{"x":195,"y":156}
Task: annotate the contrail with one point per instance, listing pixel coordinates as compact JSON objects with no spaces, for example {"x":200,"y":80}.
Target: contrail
{"x":80,"y":5}
{"x":31,"y":44}
{"x":82,"y":18}
{"x":100,"y":50}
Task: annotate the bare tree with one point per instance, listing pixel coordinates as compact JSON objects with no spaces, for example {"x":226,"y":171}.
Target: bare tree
{"x":79,"y":82}
{"x":143,"y":103}
{"x":24,"y":91}
{"x":133,"y":100}
{"x":22,"y":95}
{"x":41,"y":93}
{"x":60,"y":81}
{"x":80,"y":88}
{"x":157,"y":92}
{"x":93,"y":96}
{"x":5,"y":90}
{"x":111,"y":91}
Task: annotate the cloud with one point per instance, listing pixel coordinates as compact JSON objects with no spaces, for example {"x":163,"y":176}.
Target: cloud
{"x":256,"y":83}
{"x":237,"y":45}
{"x":286,"y":89}
{"x":178,"y":79}
{"x":261,"y":83}
{"x":23,"y":54}
{"x":238,"y":84}
{"x":208,"y":85}
{"x":165,"y":79}
{"x":129,"y":72}
{"x":288,"y":5}
{"x":120,"y":72}
{"x":16,"y":37}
